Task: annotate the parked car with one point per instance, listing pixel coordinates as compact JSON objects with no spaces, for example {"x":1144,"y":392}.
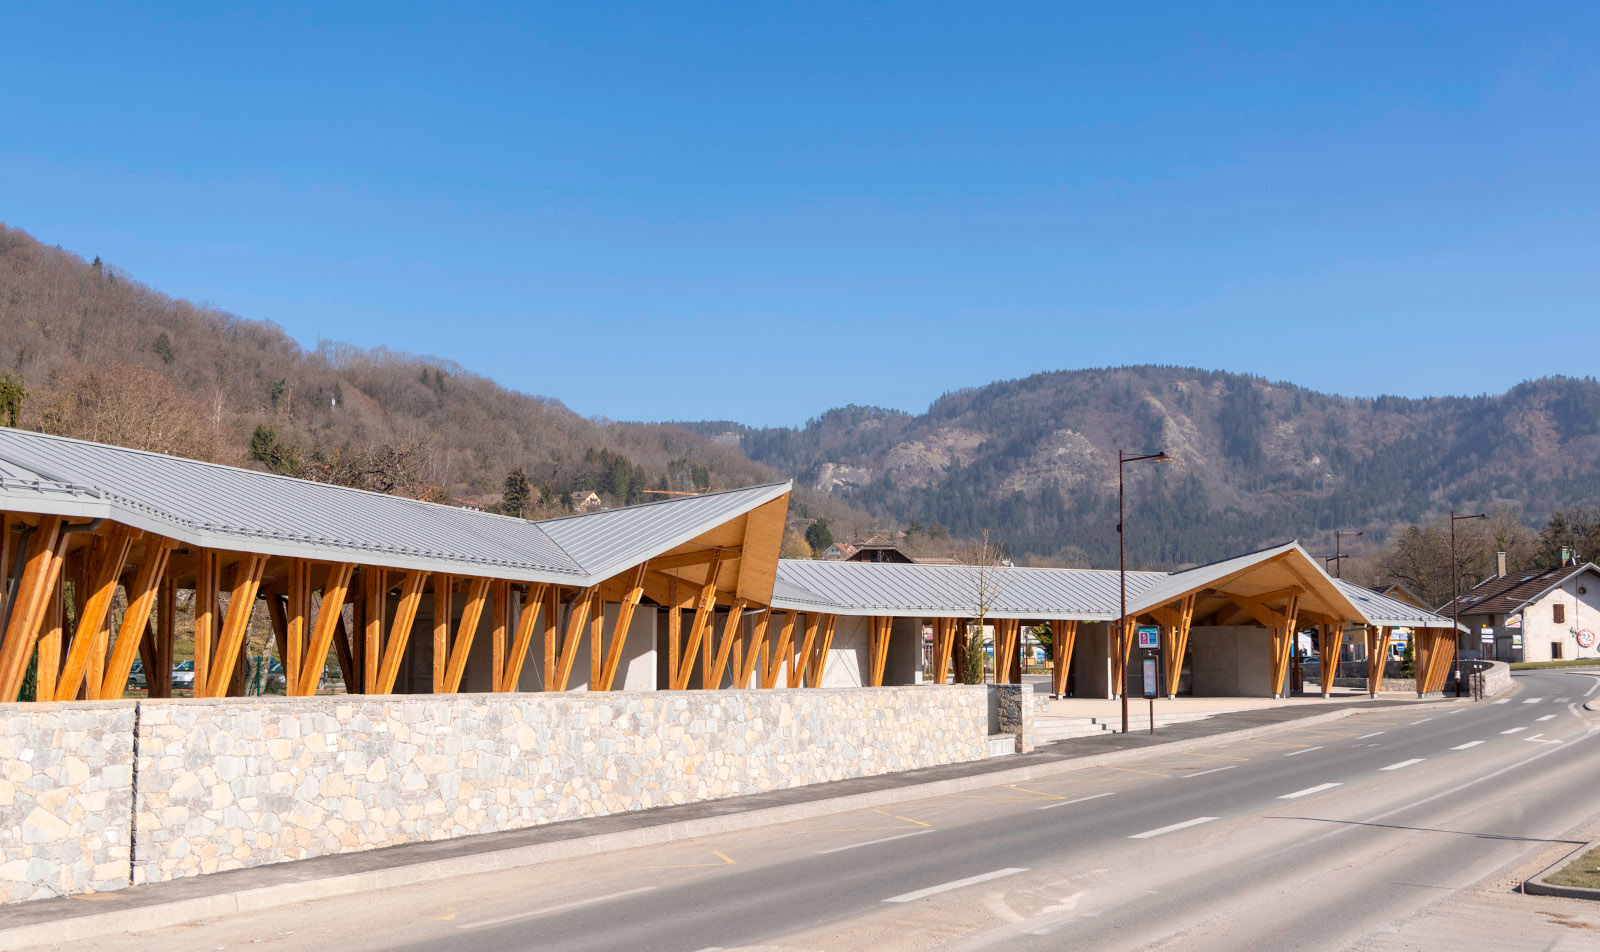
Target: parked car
{"x":183,"y":675}
{"x":136,"y":676}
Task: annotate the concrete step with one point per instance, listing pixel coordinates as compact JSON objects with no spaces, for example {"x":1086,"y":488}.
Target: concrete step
{"x":1000,"y":745}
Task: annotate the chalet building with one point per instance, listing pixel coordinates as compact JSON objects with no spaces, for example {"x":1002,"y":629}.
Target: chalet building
{"x":585,"y":501}
{"x":1548,"y":615}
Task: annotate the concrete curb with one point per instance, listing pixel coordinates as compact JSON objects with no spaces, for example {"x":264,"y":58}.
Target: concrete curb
{"x":163,"y":914}
{"x":1537,"y":886}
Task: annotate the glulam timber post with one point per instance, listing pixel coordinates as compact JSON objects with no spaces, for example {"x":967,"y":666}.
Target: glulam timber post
{"x":136,"y":619}
{"x":42,"y":570}
{"x":1063,"y":638}
{"x":1330,"y":649}
{"x":105,"y":568}
{"x":326,"y":627}
{"x":781,"y":661}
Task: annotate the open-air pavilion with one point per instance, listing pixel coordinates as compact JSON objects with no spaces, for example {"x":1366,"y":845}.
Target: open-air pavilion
{"x":413,"y":597}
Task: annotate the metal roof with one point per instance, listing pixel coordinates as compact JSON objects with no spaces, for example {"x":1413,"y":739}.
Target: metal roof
{"x":226,"y":507}
{"x":949,"y":591}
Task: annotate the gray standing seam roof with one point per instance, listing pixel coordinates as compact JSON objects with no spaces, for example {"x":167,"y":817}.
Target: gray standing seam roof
{"x":226,"y":507}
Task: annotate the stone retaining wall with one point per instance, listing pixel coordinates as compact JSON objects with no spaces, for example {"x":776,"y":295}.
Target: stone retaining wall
{"x":230,"y":783}
{"x":66,"y":798}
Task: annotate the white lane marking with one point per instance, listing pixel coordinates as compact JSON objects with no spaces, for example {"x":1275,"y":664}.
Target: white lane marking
{"x":1547,"y":717}
{"x":1304,"y":750}
{"x":1470,"y":743}
{"x":1535,"y":740}
{"x":1504,"y":700}
{"x":840,"y":849}
{"x":1592,"y":688}
{"x":1514,"y":730}
{"x":1562,"y":700}
{"x":1373,"y":734}
{"x":1533,"y":700}
{"x":1309,"y":791}
{"x":551,"y":909}
{"x":1173,"y":828}
{"x":946,"y":887}
{"x":1068,"y":803}
{"x":1202,"y":773}
{"x":1403,"y":763}
{"x":711,"y":948}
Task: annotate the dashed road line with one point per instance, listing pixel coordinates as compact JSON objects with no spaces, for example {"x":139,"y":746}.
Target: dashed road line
{"x":547,"y":910}
{"x":1470,"y":743}
{"x":1562,"y":700}
{"x":1547,"y":717}
{"x":1403,"y":763}
{"x":1373,"y":734}
{"x":1147,"y":834}
{"x":1514,"y":730}
{"x":1504,"y":700}
{"x":886,"y":839}
{"x":1202,"y":773}
{"x":1533,"y":700}
{"x":1303,"y":750}
{"x":1068,"y":803}
{"x":1309,"y":791}
{"x":957,"y":884}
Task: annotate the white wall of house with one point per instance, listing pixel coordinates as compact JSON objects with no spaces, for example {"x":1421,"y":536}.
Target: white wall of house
{"x":1581,"y":612}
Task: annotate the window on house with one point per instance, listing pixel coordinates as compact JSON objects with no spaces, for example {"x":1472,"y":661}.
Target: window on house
{"x":1555,"y":651}
{"x":1559,"y":613}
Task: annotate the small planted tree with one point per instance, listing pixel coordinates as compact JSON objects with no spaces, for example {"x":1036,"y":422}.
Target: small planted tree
{"x":986,"y":579}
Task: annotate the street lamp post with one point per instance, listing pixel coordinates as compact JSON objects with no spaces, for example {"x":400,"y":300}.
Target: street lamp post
{"x":1123,"y":645}
{"x":1455,"y":597}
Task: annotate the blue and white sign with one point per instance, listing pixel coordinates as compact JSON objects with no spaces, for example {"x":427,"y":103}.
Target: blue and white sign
{"x":1149,"y":637}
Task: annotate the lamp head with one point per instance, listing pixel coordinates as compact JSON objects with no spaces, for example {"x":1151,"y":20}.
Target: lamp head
{"x":1162,"y":457}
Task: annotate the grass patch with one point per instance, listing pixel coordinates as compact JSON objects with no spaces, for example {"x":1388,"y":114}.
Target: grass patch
{"x":1571,"y":663}
{"x":1583,"y":872}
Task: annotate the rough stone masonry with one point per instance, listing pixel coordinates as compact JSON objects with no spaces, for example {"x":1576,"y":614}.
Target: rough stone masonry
{"x":228,"y":783}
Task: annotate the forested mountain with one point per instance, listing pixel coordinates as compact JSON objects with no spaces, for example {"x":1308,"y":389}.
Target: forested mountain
{"x":1034,"y":460}
{"x":89,"y":352}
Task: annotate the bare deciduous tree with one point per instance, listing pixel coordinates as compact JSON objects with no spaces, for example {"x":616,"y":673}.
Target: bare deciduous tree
{"x":987,"y":573}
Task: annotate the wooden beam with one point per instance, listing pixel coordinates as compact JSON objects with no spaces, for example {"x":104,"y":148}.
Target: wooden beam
{"x":103,"y":575}
{"x":443,"y":596}
{"x":782,"y":653}
{"x":550,"y":621}
{"x":374,"y":595}
{"x":619,"y":632}
{"x":674,"y":644}
{"x":523,"y":639}
{"x":405,"y":615}
{"x":819,"y":659}
{"x":758,"y":645}
{"x":330,"y":621}
{"x":241,"y":601}
{"x":1332,"y":644}
{"x":723,"y":556}
{"x":166,"y":636}
{"x":471,"y":614}
{"x":1005,"y":647}
{"x":50,"y":637}
{"x":136,"y":620}
{"x":1176,"y":628}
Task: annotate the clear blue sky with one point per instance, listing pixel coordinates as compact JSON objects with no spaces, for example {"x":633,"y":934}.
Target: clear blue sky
{"x":760,"y":211}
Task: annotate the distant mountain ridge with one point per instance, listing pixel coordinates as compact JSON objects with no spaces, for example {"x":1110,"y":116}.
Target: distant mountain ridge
{"x":1033,"y":460}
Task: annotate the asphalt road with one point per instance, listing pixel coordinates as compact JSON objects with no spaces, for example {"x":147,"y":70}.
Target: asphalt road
{"x":1319,"y":838}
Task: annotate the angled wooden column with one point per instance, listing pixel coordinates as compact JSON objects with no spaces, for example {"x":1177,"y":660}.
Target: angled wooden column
{"x":166,"y":633}
{"x":1121,"y":650}
{"x":50,"y":640}
{"x":619,"y":632}
{"x":730,"y":632}
{"x":136,"y":620}
{"x":1332,"y":646}
{"x":443,"y":595}
{"x":801,"y":668}
{"x":818,"y":665}
{"x":241,"y":602}
{"x":374,"y":596}
{"x":1176,"y":634}
{"x":42,"y":570}
{"x":1064,"y":637}
{"x":1378,"y":659}
{"x":207,"y":613}
{"x":329,"y":623}
{"x":471,"y":615}
{"x":104,"y":570}
{"x":879,"y":643}
{"x":782,"y":654}
{"x":297,"y":624}
{"x":752,"y":667}
{"x":674,"y":644}
{"x":499,"y":619}
{"x":577,"y":621}
{"x":1005,"y":648}
{"x":705,"y":608}
{"x":405,"y":615}
{"x":523,"y":639}
{"x":550,"y":622}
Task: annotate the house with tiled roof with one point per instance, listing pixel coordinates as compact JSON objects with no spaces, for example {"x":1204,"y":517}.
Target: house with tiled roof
{"x":1551,"y":614}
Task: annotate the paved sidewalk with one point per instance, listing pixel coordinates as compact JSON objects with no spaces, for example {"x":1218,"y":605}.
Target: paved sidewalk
{"x":164,"y":904}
